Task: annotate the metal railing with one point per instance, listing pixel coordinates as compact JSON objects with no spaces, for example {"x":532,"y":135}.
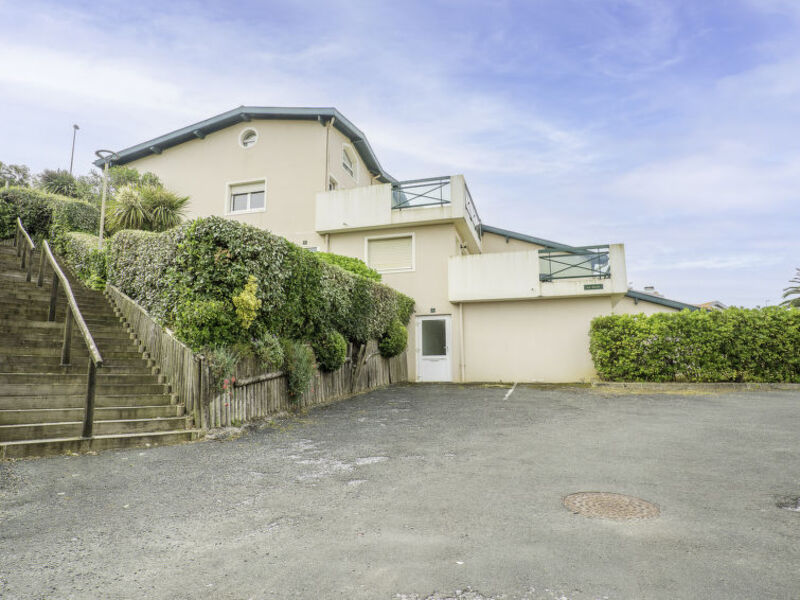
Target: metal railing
{"x":73,"y":313}
{"x":26,"y":252}
{"x":583,"y":262}
{"x":432,"y":191}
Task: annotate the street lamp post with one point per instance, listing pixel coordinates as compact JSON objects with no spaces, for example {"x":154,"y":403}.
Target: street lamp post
{"x":106,"y":156}
{"x":72,"y":154}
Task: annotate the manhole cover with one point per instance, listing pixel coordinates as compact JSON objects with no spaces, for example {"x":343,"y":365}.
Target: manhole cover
{"x":607,"y":505}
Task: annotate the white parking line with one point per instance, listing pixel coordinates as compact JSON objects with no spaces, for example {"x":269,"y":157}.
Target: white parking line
{"x":509,"y":392}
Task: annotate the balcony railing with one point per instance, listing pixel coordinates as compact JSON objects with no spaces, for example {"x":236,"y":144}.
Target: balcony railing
{"x":433,"y":191}
{"x":583,"y":262}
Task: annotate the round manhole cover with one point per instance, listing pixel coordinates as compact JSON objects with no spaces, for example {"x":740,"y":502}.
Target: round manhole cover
{"x":607,"y":505}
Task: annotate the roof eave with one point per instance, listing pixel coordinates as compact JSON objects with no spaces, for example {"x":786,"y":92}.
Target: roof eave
{"x":662,"y":301}
{"x":246,"y":113}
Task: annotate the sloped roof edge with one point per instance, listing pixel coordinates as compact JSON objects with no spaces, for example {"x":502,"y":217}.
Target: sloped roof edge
{"x":246,"y":113}
{"x":527,"y":238}
{"x":659,"y":300}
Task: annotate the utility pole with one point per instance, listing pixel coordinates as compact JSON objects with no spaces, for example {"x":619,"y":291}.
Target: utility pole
{"x":72,"y":155}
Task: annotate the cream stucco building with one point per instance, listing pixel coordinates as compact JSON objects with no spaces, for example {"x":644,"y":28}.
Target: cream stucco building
{"x":491,"y":304}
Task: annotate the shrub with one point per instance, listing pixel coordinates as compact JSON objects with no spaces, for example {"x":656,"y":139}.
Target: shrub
{"x":348,"y":263}
{"x":203,"y":323}
{"x":127,"y":211}
{"x":82,"y":255}
{"x":330,"y":348}
{"x":394,"y":340}
{"x":737,"y":344}
{"x":222,"y":365}
{"x":44,"y":214}
{"x":298,"y":365}
{"x":247,"y":303}
{"x":269,"y":351}
{"x":164,"y":209}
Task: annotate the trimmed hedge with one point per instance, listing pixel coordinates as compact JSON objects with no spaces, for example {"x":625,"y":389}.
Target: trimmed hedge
{"x":301,"y":295}
{"x":44,"y":214}
{"x":82,"y":255}
{"x":737,"y":344}
{"x":330,"y":348}
{"x":394,"y":341}
{"x":348,"y":263}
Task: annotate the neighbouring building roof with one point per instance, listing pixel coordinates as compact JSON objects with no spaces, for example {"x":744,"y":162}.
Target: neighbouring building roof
{"x":526,"y":238}
{"x":713,"y":305}
{"x":643,"y":297}
{"x":247,"y":113}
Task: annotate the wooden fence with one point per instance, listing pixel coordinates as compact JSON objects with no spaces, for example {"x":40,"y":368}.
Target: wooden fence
{"x":254,"y":395}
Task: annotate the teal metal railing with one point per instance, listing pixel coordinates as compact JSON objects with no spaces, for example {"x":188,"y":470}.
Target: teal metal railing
{"x":432,"y":191}
{"x":582,"y":262}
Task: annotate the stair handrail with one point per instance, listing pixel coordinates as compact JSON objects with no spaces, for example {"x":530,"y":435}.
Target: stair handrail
{"x":73,"y":313}
{"x":21,"y":233}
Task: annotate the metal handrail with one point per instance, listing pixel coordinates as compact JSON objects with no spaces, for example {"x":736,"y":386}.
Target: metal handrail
{"x":20,"y":250}
{"x":583,"y":262}
{"x":73,"y":314}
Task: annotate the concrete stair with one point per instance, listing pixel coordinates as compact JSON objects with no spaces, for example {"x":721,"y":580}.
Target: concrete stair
{"x":42,"y":402}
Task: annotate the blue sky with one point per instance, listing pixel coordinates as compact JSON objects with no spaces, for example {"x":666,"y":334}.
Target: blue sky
{"x":670,"y":126}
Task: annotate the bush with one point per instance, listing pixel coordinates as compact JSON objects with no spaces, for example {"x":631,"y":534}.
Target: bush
{"x":394,"y":340}
{"x":222,"y":364}
{"x":44,"y":214}
{"x":737,"y":344}
{"x":348,"y":263}
{"x":202,"y":323}
{"x":82,"y":255}
{"x":210,"y":258}
{"x":269,"y":351}
{"x":247,"y":303}
{"x":298,"y":365}
{"x":330,"y":348}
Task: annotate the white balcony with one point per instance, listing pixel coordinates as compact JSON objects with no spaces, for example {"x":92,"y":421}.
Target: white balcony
{"x":418,"y":202}
{"x":537,"y":274}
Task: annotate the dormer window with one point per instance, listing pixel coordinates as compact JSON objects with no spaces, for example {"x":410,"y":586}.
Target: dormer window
{"x":248,"y":138}
{"x":348,"y":162}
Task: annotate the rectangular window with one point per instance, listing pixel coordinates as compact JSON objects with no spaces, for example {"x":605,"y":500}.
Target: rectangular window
{"x":391,"y":254}
{"x":247,"y":197}
{"x":434,"y":337}
{"x":348,"y":163}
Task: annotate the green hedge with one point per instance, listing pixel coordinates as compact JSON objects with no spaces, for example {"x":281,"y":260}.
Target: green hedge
{"x":82,"y":255}
{"x":301,"y":295}
{"x":348,"y":263}
{"x":44,"y":214}
{"x":737,"y":344}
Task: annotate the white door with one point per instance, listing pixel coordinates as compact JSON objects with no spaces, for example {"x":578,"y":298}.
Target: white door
{"x":433,"y":349}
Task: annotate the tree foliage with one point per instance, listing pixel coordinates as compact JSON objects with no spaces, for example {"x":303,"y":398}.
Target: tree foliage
{"x":791,"y":294}
{"x":58,"y":181}
{"x":14,"y":175}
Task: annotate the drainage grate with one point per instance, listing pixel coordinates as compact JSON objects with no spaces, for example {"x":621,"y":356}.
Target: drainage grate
{"x":607,"y":505}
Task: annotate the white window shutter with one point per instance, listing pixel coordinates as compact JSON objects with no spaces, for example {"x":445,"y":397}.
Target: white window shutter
{"x":388,"y":254}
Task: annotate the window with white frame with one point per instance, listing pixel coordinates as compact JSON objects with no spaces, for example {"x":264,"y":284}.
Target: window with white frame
{"x":394,"y":253}
{"x":349,"y":161}
{"x":247,"y":197}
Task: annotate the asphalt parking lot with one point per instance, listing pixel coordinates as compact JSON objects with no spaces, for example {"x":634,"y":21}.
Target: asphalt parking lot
{"x":426,"y":491}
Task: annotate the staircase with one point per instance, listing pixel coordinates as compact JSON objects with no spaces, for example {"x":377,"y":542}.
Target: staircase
{"x":42,"y":404}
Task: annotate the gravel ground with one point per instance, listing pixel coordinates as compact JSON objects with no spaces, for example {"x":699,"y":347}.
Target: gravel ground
{"x":427,"y":492}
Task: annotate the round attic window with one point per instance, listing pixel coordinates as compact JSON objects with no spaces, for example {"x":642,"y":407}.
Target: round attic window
{"x":248,"y":138}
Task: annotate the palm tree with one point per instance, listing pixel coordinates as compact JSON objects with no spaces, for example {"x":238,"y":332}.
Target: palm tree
{"x":165,"y":209}
{"x":58,"y":181}
{"x":791,"y":294}
{"x":128,"y":211}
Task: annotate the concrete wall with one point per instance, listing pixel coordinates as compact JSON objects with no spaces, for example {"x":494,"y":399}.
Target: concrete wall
{"x":427,"y":283}
{"x":289,"y":156}
{"x":530,"y":341}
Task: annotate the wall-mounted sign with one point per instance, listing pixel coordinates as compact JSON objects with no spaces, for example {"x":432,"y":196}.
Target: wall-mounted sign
{"x":593,"y":286}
